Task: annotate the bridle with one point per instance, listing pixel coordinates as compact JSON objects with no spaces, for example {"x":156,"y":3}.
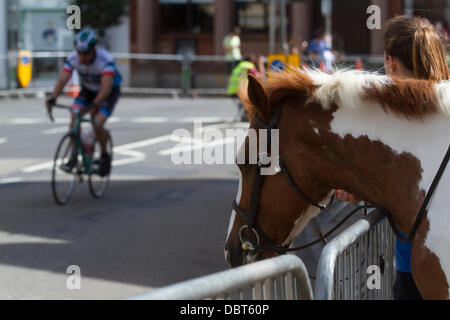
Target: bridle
{"x":250,"y":217}
{"x":259,"y":234}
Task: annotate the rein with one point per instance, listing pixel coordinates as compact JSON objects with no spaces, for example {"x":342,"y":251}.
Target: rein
{"x":250,"y":217}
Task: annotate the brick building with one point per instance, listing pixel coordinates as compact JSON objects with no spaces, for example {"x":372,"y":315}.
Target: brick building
{"x":167,"y":26}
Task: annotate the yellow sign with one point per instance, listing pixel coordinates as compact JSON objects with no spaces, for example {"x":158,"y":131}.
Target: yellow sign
{"x":294,"y":60}
{"x":24,"y":68}
{"x":278,"y":62}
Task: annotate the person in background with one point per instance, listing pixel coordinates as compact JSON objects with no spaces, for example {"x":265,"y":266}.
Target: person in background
{"x":319,"y":51}
{"x":232,"y":46}
{"x":295,"y":50}
{"x":260,"y":70}
{"x":413,"y":49}
{"x":239,"y":78}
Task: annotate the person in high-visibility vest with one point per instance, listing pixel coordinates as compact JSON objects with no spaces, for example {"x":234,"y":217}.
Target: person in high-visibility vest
{"x":239,"y":77}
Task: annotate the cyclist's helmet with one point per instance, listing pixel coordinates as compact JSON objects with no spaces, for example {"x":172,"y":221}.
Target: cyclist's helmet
{"x":85,"y":40}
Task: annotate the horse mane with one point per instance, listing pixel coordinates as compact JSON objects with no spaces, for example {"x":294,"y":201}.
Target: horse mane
{"x":408,"y":98}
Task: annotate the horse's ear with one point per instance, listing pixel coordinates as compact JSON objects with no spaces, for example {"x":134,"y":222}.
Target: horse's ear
{"x":258,"y":96}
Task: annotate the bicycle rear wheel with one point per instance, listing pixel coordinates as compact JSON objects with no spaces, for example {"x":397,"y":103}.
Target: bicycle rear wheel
{"x":63,"y":183}
{"x":99,"y":185}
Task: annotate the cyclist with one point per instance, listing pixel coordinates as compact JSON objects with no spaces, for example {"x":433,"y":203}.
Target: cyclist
{"x":100,"y":90}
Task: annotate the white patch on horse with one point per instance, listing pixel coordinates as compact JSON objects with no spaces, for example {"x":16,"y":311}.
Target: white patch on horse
{"x":344,"y":87}
{"x":239,"y":194}
{"x":427,"y":141}
{"x":443,"y":93}
{"x":304,"y":218}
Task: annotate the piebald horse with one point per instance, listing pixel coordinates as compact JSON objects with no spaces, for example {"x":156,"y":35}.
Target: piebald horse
{"x":382,"y":139}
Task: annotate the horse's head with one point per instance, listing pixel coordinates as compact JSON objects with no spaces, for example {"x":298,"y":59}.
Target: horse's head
{"x":269,"y":211}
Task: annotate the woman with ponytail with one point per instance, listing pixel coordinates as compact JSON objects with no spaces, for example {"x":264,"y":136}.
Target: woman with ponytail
{"x":413,"y":49}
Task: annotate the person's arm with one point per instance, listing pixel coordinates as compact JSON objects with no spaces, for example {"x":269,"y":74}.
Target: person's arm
{"x":226,"y":44}
{"x":105,"y":89}
{"x":64,"y":77}
{"x":254,"y":72}
{"x":262,"y":66}
{"x":345,"y":196}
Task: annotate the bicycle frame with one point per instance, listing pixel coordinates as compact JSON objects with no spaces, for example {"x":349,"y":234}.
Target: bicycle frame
{"x":79,"y":145}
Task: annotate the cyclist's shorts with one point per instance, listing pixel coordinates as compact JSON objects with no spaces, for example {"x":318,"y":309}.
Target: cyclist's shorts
{"x":86,"y":97}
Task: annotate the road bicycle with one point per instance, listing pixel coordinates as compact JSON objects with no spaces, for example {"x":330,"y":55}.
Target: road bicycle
{"x":88,"y":161}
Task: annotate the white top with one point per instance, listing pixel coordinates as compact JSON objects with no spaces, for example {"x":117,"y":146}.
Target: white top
{"x":234,"y":43}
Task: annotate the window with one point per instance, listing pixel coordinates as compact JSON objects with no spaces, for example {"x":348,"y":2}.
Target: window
{"x":433,"y":10}
{"x":188,"y":16}
{"x":13,"y":29}
{"x":254,"y":16}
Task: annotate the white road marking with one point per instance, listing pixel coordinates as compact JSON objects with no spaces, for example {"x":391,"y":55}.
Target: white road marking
{"x":124,"y":149}
{"x":15,"y":238}
{"x":54,"y":131}
{"x":143,"y":143}
{"x":151,"y":120}
{"x":140,"y":156}
{"x":3,"y":140}
{"x":196,"y":146}
{"x":10,"y":180}
{"x":66,"y":120}
{"x":114,"y":120}
{"x":136,"y":156}
{"x":22,"y":121}
{"x":38,"y":167}
{"x":204,"y":119}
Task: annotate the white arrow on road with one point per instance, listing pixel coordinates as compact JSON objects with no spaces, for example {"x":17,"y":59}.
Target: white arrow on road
{"x":126,"y":149}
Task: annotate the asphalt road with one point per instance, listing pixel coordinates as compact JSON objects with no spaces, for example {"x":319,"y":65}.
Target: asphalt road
{"x":159,"y":223}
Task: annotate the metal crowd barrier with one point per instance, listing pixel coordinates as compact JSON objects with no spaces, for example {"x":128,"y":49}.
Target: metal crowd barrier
{"x":155,"y":73}
{"x":343,"y":272}
{"x":283,"y":278}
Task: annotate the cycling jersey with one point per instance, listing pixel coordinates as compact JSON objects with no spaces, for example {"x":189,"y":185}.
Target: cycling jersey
{"x":90,"y":75}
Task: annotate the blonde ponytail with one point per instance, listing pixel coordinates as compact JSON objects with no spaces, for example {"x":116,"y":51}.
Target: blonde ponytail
{"x":429,"y":57}
{"x":418,"y":45}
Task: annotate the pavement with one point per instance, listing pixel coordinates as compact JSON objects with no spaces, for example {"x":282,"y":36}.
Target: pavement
{"x":158,"y":224}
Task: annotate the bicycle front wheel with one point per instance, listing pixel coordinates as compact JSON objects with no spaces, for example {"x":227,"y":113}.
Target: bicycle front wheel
{"x":99,"y":184}
{"x":63,"y":183}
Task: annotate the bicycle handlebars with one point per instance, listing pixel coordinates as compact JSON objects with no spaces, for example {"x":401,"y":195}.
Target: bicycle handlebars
{"x":60,"y":106}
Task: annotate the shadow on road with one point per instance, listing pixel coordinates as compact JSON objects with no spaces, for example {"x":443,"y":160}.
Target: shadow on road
{"x":149,"y":233}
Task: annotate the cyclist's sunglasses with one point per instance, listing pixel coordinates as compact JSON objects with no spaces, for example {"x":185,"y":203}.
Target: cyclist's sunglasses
{"x":84,"y":53}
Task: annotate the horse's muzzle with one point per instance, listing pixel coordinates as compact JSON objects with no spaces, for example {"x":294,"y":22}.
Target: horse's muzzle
{"x":236,"y":256}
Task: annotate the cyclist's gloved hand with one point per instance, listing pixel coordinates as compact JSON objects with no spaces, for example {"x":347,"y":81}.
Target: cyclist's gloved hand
{"x":50,"y":103}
